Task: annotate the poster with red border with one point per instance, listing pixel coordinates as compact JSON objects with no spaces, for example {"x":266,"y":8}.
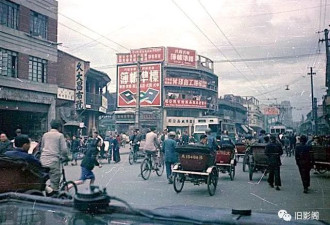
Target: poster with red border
{"x":180,"y":56}
{"x":156,"y":54}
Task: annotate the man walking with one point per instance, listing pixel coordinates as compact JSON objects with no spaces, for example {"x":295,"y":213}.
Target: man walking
{"x":53,"y":149}
{"x":74,"y":149}
{"x":274,"y":151}
{"x":303,"y":160}
{"x":171,"y":156}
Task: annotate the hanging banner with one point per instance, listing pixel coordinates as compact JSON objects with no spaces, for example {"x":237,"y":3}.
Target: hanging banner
{"x":80,"y":85}
{"x":150,"y":85}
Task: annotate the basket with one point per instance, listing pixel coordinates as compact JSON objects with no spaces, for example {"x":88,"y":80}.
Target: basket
{"x":195,"y":158}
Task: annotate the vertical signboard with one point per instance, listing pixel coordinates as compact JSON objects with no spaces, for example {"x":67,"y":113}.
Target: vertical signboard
{"x":150,"y":85}
{"x":80,"y":85}
{"x":182,"y":57}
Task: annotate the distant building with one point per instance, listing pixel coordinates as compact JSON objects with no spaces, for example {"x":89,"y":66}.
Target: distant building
{"x":286,"y":113}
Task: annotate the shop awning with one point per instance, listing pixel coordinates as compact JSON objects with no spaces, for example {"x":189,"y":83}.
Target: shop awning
{"x":73,"y":123}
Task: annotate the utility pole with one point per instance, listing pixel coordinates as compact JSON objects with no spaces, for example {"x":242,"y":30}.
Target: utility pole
{"x":137,"y":97}
{"x":327,"y":74}
{"x":314,"y":128}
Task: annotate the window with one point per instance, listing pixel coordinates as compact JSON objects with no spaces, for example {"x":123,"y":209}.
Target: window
{"x":8,"y":63}
{"x":38,"y":25}
{"x":37,"y":69}
{"x":8,"y":14}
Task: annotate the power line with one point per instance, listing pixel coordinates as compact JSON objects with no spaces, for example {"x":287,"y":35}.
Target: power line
{"x":186,"y":15}
{"x":94,"y":31}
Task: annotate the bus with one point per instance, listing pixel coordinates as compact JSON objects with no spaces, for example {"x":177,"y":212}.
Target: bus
{"x":277,"y":129}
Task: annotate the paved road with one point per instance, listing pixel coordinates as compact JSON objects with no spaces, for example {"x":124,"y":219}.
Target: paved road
{"x":123,"y":180}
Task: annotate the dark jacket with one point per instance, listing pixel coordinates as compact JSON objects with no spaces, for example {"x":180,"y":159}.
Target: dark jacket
{"x":19,"y":153}
{"x":90,"y":160}
{"x":185,"y":139}
{"x":274,"y":151}
{"x":169,"y":147}
{"x":212,"y":143}
{"x":5,"y":146}
{"x":75,"y":146}
{"x":302,"y":155}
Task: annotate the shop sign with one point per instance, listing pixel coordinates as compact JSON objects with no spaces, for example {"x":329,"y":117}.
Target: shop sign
{"x":146,"y":54}
{"x":150,"y":85}
{"x":65,"y":94}
{"x":180,"y":56}
{"x":80,"y":85}
{"x":184,"y":103}
{"x":183,"y":82}
{"x":271,"y":111}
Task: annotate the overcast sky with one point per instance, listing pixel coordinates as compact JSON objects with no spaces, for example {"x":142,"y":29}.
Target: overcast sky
{"x":250,"y":34}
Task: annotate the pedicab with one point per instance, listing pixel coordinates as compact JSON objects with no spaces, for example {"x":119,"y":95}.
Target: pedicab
{"x":240,"y":150}
{"x":257,"y":159}
{"x":196,"y":165}
{"x":320,"y":155}
{"x":225,"y":160}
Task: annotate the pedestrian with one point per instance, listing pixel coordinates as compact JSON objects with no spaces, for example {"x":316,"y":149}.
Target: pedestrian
{"x":185,"y":138}
{"x":89,"y":162}
{"x":262,"y":135}
{"x":5,"y":144}
{"x":303,"y":160}
{"x":115,"y":149}
{"x":274,"y":151}
{"x":74,"y":150}
{"x":171,"y":156}
{"x":211,"y":141}
{"x":53,"y":151}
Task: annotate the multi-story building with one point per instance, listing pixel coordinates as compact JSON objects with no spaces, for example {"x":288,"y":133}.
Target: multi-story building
{"x":28,"y":57}
{"x":176,"y":86}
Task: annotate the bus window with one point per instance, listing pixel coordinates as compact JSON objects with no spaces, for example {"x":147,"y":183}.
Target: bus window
{"x":200,"y":128}
{"x":214,"y":128}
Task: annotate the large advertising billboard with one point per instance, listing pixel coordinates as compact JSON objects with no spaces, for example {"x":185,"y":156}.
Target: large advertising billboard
{"x":150,"y":85}
{"x":182,"y":57}
{"x":271,"y":111}
{"x":147,"y":55}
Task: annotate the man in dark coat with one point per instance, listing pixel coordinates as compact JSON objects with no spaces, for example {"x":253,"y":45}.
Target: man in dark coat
{"x":5,"y":144}
{"x":303,"y":160}
{"x":274,"y":151}
{"x":185,"y":138}
{"x":171,"y":156}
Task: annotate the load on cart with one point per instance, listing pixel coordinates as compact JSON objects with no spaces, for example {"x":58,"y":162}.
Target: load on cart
{"x":197,"y":165}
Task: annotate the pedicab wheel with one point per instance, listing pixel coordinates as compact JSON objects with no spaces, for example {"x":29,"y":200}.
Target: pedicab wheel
{"x":160,"y":170}
{"x":232,"y":172}
{"x":251,"y":168}
{"x":245,"y":159}
{"x":178,"y":182}
{"x":212,"y":181}
{"x":145,"y":169}
{"x":130,"y":158}
{"x":34,"y":192}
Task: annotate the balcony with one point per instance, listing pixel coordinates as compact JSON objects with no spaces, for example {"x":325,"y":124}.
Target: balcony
{"x":94,"y":100}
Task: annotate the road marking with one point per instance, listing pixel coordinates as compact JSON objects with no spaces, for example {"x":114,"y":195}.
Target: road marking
{"x":263,"y":199}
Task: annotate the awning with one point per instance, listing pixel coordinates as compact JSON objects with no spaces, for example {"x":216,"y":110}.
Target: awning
{"x":73,"y":123}
{"x":245,"y":128}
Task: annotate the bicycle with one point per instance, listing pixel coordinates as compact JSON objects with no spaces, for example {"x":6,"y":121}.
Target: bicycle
{"x":149,"y":164}
{"x":135,"y":153}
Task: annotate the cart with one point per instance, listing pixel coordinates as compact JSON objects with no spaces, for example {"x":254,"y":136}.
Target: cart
{"x":257,"y":159}
{"x":321,"y":158}
{"x":225,"y":160}
{"x":240,"y":150}
{"x":196,"y":164}
{"x":18,"y":176}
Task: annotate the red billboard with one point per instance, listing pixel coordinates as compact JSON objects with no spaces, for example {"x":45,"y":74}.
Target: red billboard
{"x":180,"y":56}
{"x":185,"y":103}
{"x":271,"y":111}
{"x":150,"y":85}
{"x":146,"y":54}
{"x":183,"y":82}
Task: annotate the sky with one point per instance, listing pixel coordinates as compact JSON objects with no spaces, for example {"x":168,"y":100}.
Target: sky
{"x":258,"y":46}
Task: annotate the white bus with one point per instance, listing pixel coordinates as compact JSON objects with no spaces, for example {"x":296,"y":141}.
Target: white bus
{"x":277,"y":129}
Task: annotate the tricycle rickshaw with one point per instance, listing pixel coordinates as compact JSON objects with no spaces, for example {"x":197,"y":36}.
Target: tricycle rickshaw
{"x":257,"y":159}
{"x":197,"y":165}
{"x":225,"y":160}
{"x":320,"y":155}
{"x":240,"y":150}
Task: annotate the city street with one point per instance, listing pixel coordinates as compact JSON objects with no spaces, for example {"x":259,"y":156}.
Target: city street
{"x":122,"y":180}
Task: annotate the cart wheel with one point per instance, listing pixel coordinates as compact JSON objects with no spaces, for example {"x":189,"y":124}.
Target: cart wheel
{"x":145,"y":169}
{"x":131,"y":158}
{"x":160,"y":170}
{"x":232,"y":172}
{"x":178,"y":182}
{"x":212,"y":181}
{"x":245,"y":159}
{"x":251,"y":168}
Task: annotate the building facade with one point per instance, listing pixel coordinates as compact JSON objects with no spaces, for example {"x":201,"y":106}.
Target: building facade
{"x":28,"y":57}
{"x":176,"y":86}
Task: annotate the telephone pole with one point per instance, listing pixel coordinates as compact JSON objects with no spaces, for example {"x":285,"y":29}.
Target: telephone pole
{"x":314,"y":117}
{"x":137,"y":95}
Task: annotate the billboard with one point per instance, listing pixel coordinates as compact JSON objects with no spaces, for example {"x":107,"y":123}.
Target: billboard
{"x":185,"y":103}
{"x":147,"y":55}
{"x":80,"y":85}
{"x":182,"y":57}
{"x":183,"y":82}
{"x":150,"y":85}
{"x":271,"y":111}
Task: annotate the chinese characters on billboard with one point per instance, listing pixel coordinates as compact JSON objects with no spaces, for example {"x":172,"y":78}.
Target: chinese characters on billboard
{"x":183,"y":82}
{"x":146,"y":54}
{"x":271,"y":111}
{"x":150,"y":85}
{"x":183,"y":57}
{"x":185,"y":103}
{"x":80,"y":85}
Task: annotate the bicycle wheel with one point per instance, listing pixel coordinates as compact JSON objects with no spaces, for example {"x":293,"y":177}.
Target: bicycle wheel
{"x":131,"y":158}
{"x":65,"y":192}
{"x":160,"y":168}
{"x":145,"y":169}
{"x":178,"y":182}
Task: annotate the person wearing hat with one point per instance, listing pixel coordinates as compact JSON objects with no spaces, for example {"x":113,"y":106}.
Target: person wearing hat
{"x":274,"y":151}
{"x":171,"y":156}
{"x":303,"y":160}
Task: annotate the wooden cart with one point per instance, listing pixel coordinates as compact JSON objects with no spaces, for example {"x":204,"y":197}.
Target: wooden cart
{"x":225,"y":161}
{"x":320,"y":155}
{"x":257,"y":159}
{"x":197,"y":165}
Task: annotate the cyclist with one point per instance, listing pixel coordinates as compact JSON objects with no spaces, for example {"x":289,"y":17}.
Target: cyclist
{"x":135,"y":140}
{"x":152,"y":144}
